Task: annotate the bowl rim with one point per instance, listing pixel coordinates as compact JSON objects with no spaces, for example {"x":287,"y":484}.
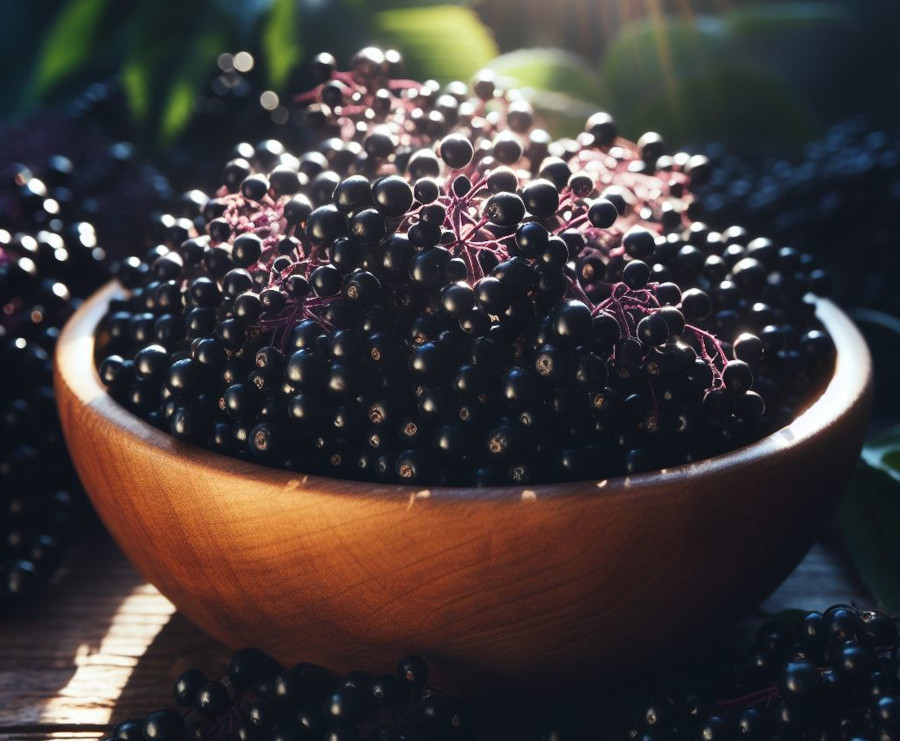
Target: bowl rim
{"x":849,"y":385}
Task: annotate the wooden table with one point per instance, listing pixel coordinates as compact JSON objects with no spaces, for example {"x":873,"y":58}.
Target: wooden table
{"x":103,"y":645}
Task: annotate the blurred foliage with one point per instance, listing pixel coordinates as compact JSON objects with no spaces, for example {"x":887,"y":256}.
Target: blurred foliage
{"x":280,"y":48}
{"x":561,"y":86}
{"x":165,"y":51}
{"x":728,"y":101}
{"x":691,"y":69}
{"x":870,"y":518}
{"x":70,"y":41}
{"x":422,"y":34}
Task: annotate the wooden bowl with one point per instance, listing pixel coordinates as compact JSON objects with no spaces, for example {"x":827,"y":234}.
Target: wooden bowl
{"x":551,"y":584}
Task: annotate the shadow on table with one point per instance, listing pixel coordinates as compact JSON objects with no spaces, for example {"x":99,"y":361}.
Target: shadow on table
{"x":178,"y":646}
{"x":101,"y":645}
{"x":46,"y":645}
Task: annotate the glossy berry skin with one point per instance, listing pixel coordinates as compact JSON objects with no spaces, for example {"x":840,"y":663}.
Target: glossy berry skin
{"x":184,"y":377}
{"x":748,"y":348}
{"x":212,"y":699}
{"x":774,"y":638}
{"x":129,"y":730}
{"x":877,"y":628}
{"x":456,"y":150}
{"x":434,"y":230}
{"x":886,"y":714}
{"x":812,"y":630}
{"x":324,"y":225}
{"x":187,"y":687}
{"x":413,"y":671}
{"x":115,"y":371}
{"x":393,"y":196}
{"x":653,"y":330}
{"x":636,"y":274}
{"x":428,"y":269}
{"x":326,"y":280}
{"x":353,"y":194}
{"x":638,"y":243}
{"x":602,"y":127}
{"x":504,"y":209}
{"x":519,"y":388}
{"x":246,"y":250}
{"x":852,"y":668}
{"x":737,"y":376}
{"x":658,"y":714}
{"x":250,"y":668}
{"x":695,"y":304}
{"x":531,"y":239}
{"x":426,"y":190}
{"x":541,"y":198}
{"x":428,"y":361}
{"x":368,"y":226}
{"x":163,"y":725}
{"x":388,"y":691}
{"x":491,"y":295}
{"x":502,"y":179}
{"x":842,"y":623}
{"x":800,"y":683}
{"x":573,"y":322}
{"x":457,"y":298}
{"x":362,"y":289}
{"x":346,"y":704}
{"x":413,"y":466}
{"x":603,"y":213}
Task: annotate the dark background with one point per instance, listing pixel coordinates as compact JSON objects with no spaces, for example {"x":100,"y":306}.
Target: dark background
{"x":746,"y":72}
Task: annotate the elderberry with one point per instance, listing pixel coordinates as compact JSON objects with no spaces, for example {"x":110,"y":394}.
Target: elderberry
{"x":510,"y":308}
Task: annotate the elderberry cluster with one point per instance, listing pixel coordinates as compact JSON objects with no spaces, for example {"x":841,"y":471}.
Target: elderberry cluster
{"x":52,"y":254}
{"x":440,"y":293}
{"x":842,"y":189}
{"x":262,"y":701}
{"x":822,"y":676}
{"x":86,"y":169}
{"x":41,"y":274}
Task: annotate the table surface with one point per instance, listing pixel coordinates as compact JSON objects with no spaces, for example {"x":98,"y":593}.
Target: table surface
{"x":102,"y":645}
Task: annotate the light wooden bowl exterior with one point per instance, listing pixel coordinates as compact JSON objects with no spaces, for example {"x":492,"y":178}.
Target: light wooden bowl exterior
{"x":550,"y":584}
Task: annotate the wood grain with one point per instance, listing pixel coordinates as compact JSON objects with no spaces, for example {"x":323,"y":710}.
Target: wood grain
{"x":547,"y":586}
{"x":93,"y":602}
{"x":100,"y":646}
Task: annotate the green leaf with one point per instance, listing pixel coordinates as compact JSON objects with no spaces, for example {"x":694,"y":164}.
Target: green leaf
{"x":686,"y":79}
{"x":185,"y":87}
{"x":280,"y":43}
{"x":726,"y":102}
{"x":167,"y":64}
{"x":559,"y":113}
{"x":882,"y":334}
{"x":550,"y":70}
{"x":650,"y":58}
{"x":136,"y":83}
{"x":69,"y":43}
{"x":393,"y":4}
{"x":870,"y":518}
{"x":178,"y":109}
{"x":881,"y":453}
{"x":446,"y":42}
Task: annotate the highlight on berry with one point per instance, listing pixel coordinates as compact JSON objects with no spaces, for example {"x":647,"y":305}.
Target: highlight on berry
{"x":831,"y":675}
{"x":259,"y":699}
{"x":439,"y":292}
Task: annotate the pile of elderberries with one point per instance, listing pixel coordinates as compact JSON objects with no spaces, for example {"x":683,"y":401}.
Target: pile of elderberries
{"x":441,"y":293}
